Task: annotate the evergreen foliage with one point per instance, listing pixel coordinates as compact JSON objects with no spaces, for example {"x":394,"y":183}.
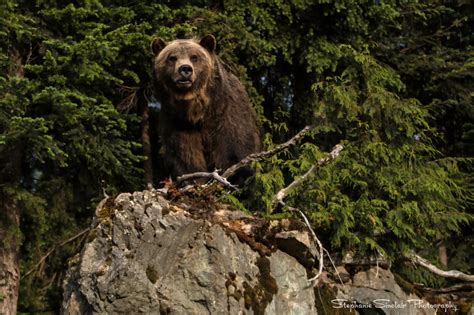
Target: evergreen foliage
{"x":392,"y":80}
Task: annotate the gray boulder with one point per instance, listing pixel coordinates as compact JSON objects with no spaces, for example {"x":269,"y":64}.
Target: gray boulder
{"x":154,"y":252}
{"x":148,"y":255}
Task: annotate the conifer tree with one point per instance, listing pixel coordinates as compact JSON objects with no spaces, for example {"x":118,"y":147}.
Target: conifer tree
{"x":62,"y":139}
{"x":392,"y":80}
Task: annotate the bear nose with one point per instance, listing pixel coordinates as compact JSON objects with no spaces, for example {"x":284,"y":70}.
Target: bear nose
{"x":185,"y":70}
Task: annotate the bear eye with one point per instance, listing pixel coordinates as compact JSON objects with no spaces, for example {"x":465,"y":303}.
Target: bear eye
{"x":194,"y":58}
{"x":172,"y":58}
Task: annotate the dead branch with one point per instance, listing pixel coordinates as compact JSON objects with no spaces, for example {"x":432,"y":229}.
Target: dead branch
{"x":465,"y":287}
{"x":321,"y":249}
{"x":214,"y":175}
{"x":244,"y":162}
{"x":334,"y":266}
{"x":130,"y":101}
{"x":280,"y":195}
{"x":265,"y":154}
{"x":42,"y":259}
{"x":446,"y":274}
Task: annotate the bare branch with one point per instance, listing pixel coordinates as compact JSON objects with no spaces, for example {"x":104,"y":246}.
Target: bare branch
{"x":446,"y":274}
{"x":214,"y":175}
{"x":42,"y":259}
{"x":334,"y":266}
{"x":280,"y":195}
{"x":130,"y":101}
{"x":321,"y":249}
{"x":278,"y":200}
{"x":244,"y":162}
{"x":263,"y":155}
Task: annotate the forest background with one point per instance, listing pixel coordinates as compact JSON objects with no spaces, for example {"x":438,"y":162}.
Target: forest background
{"x":391,"y":80}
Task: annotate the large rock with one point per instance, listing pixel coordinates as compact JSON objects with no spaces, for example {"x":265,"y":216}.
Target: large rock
{"x":153,"y":252}
{"x":148,"y":255}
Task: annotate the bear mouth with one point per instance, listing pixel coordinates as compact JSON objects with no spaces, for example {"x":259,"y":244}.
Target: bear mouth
{"x":183,"y":83}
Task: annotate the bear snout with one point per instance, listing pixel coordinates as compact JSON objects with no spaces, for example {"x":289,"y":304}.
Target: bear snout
{"x":184,"y":77}
{"x":185,"y":70}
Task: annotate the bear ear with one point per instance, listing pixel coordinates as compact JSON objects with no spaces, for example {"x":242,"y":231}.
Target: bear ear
{"x":157,"y":45}
{"x":208,"y":42}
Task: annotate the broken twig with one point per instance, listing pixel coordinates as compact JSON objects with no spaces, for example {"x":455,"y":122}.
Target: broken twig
{"x":214,"y":175}
{"x":280,"y":195}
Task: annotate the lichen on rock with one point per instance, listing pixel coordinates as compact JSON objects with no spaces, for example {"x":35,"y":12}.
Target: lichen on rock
{"x":150,"y":255}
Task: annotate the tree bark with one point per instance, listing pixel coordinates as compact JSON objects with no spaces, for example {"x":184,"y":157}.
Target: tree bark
{"x":10,"y":177}
{"x":9,"y":255}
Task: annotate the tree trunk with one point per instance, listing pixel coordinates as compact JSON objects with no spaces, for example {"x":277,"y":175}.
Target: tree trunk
{"x":145,"y":124}
{"x":10,"y":177}
{"x":9,"y":255}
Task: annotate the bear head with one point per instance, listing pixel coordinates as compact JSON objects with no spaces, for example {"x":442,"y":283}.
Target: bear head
{"x":183,"y":71}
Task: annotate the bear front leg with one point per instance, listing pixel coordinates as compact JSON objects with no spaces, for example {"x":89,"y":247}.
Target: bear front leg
{"x":184,"y":153}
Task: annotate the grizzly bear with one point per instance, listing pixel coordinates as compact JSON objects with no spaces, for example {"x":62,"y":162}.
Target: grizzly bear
{"x":206,"y":120}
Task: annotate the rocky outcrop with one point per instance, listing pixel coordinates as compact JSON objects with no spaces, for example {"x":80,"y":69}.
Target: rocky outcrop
{"x":156,"y":252}
{"x":149,"y":255}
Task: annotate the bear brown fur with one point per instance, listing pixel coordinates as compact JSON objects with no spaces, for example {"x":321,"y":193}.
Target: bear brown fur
{"x":206,"y":119}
